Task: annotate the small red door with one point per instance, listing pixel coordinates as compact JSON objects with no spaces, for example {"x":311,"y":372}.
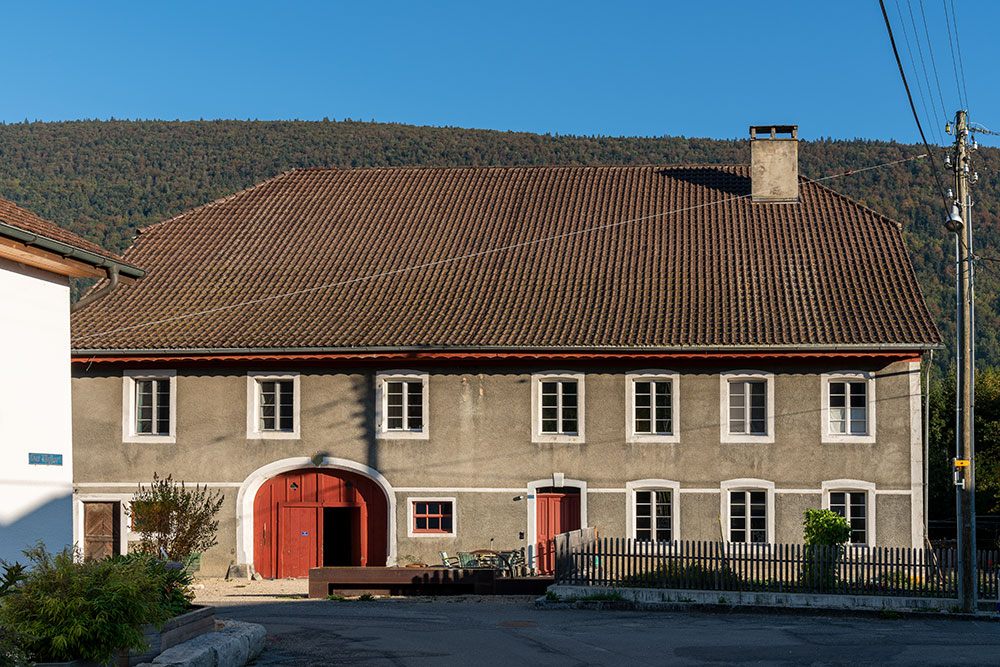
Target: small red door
{"x":299,"y":540}
{"x":558,"y":512}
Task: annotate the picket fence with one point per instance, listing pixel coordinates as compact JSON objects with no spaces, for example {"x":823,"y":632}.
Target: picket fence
{"x":581,"y":558}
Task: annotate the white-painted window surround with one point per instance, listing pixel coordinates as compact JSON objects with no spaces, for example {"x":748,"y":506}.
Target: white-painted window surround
{"x":432,"y":517}
{"x":653,"y":510}
{"x":652,"y":400}
{"x":401,"y":404}
{"x":746,"y":402}
{"x":848,"y":410}
{"x":747,"y":508}
{"x":853,"y":499}
{"x":273,"y":401}
{"x":149,"y":406}
{"x":557,"y":406}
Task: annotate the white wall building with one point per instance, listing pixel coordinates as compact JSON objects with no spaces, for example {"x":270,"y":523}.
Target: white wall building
{"x":37,"y":259}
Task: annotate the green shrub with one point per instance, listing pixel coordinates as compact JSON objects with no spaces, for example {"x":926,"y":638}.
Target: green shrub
{"x":65,"y":609}
{"x":825,"y":528}
{"x":825,"y":533}
{"x":174,"y":521}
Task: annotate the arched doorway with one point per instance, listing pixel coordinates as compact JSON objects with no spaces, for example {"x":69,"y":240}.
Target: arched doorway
{"x":318,"y":516}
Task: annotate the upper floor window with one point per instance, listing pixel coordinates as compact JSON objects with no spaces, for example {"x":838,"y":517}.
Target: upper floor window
{"x":401,"y":404}
{"x":848,"y":407}
{"x":148,"y":401}
{"x":651,"y":406}
{"x":272,"y":405}
{"x":747,"y":414}
{"x":557,"y":407}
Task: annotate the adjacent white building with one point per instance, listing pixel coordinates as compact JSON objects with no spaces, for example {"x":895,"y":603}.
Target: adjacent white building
{"x":37,"y":259}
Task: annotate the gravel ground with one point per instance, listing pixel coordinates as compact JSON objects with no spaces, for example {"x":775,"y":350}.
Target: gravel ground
{"x":239,"y":591}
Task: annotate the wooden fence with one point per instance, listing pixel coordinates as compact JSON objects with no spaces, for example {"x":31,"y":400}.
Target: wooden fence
{"x":779,"y":568}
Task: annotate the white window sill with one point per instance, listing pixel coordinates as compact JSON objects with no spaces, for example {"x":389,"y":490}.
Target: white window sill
{"x":557,"y":437}
{"x":848,"y":439}
{"x":402,"y":435}
{"x":652,"y":438}
{"x":745,"y":438}
{"x":273,"y":435}
{"x":151,"y":439}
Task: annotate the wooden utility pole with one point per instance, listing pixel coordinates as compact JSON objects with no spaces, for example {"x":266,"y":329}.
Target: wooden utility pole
{"x":965,"y":459}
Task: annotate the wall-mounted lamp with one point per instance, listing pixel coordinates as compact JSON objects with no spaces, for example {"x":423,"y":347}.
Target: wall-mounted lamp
{"x":516,"y":498}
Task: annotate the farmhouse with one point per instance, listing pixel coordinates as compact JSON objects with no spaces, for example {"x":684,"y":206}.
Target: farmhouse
{"x":37,"y":259}
{"x":378,"y":365}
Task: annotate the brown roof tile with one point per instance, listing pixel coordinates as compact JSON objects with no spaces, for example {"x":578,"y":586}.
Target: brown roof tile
{"x":719,"y":270}
{"x":15,"y":216}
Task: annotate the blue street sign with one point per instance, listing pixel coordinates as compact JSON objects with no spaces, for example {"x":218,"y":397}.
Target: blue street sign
{"x":44,"y":459}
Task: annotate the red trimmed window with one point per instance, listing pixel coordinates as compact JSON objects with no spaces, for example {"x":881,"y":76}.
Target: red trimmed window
{"x":432,"y":516}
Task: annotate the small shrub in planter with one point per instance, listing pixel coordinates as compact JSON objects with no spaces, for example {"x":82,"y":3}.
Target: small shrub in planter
{"x":66,"y":610}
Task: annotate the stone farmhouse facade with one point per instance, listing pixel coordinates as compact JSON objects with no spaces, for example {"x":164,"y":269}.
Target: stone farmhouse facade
{"x":378,"y":365}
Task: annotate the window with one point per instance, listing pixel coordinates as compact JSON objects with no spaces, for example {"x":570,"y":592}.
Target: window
{"x":653,"y":515}
{"x":149,"y":406}
{"x":432,"y":516}
{"x":401,"y":404}
{"x":747,"y":509}
{"x":747,"y":516}
{"x":853,"y":499}
{"x":273,"y":405}
{"x":848,"y":407}
{"x":651,"y":406}
{"x":851,"y":505}
{"x":747,"y":407}
{"x":557,"y":407}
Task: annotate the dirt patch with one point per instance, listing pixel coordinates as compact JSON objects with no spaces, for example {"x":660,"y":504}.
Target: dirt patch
{"x":214,"y":591}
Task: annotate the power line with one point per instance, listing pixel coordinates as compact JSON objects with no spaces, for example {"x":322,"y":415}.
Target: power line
{"x":930,"y":50}
{"x":923,"y":66}
{"x":951,"y":44}
{"x":958,"y":44}
{"x":916,"y":118}
{"x":480,"y":253}
{"x":939,"y":138}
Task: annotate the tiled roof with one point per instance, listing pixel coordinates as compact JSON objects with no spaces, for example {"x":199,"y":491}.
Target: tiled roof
{"x":719,"y":270}
{"x":15,"y":216}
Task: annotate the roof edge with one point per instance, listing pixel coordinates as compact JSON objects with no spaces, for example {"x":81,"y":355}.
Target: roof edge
{"x":68,"y":250}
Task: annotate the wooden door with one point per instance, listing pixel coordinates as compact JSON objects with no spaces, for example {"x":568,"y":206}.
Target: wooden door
{"x":300,"y":540}
{"x":557,"y":513}
{"x":101,"y":530}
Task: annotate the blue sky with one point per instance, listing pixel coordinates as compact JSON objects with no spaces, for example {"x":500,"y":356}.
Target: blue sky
{"x":706,"y":69}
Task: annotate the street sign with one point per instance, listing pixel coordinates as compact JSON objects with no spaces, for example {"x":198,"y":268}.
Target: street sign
{"x":961,"y":463}
{"x":44,"y":459}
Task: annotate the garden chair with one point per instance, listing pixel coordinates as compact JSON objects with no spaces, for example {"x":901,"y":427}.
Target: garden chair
{"x":449,"y":561}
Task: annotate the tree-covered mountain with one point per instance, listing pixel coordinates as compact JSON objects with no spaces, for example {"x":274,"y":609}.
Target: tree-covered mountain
{"x":103,"y":179}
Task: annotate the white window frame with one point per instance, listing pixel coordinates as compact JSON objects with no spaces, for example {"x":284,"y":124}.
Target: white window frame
{"x":413,"y":500}
{"x":381,"y":396}
{"x":653,"y":485}
{"x":129,"y":379}
{"x":848,"y":376}
{"x":743,"y":375}
{"x":254,"y":378}
{"x":855,"y":486}
{"x":536,"y":406}
{"x":746,"y":484}
{"x":652,"y":376}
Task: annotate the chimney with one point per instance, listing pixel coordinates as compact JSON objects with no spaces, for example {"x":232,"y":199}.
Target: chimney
{"x":774,"y":163}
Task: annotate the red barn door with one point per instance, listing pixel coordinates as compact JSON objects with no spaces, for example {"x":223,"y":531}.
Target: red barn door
{"x":558,"y":511}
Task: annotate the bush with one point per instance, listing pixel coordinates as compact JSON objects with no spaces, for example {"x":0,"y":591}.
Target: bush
{"x":65,"y":609}
{"x":825,"y":534}
{"x":173,"y":521}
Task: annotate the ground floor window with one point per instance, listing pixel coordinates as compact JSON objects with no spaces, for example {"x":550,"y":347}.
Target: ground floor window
{"x":852,"y":506}
{"x":748,"y":515}
{"x":433,"y":516}
{"x":653,"y":515}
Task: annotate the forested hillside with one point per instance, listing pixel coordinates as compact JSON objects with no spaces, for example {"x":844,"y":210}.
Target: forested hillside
{"x":103,"y":179}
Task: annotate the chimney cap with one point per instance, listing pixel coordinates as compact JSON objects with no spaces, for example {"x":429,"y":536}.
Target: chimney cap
{"x":773,"y":130}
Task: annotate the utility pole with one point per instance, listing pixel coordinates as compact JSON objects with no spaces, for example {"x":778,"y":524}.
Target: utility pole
{"x":965,"y":459}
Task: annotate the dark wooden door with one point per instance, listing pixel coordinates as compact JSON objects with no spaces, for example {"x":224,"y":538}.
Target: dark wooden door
{"x":101,"y":530}
{"x":557,"y":513}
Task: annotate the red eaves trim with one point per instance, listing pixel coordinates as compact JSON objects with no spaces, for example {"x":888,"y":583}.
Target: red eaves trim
{"x":464,"y":356}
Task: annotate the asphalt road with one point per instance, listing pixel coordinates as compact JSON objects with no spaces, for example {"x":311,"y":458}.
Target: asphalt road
{"x":442,"y":632}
